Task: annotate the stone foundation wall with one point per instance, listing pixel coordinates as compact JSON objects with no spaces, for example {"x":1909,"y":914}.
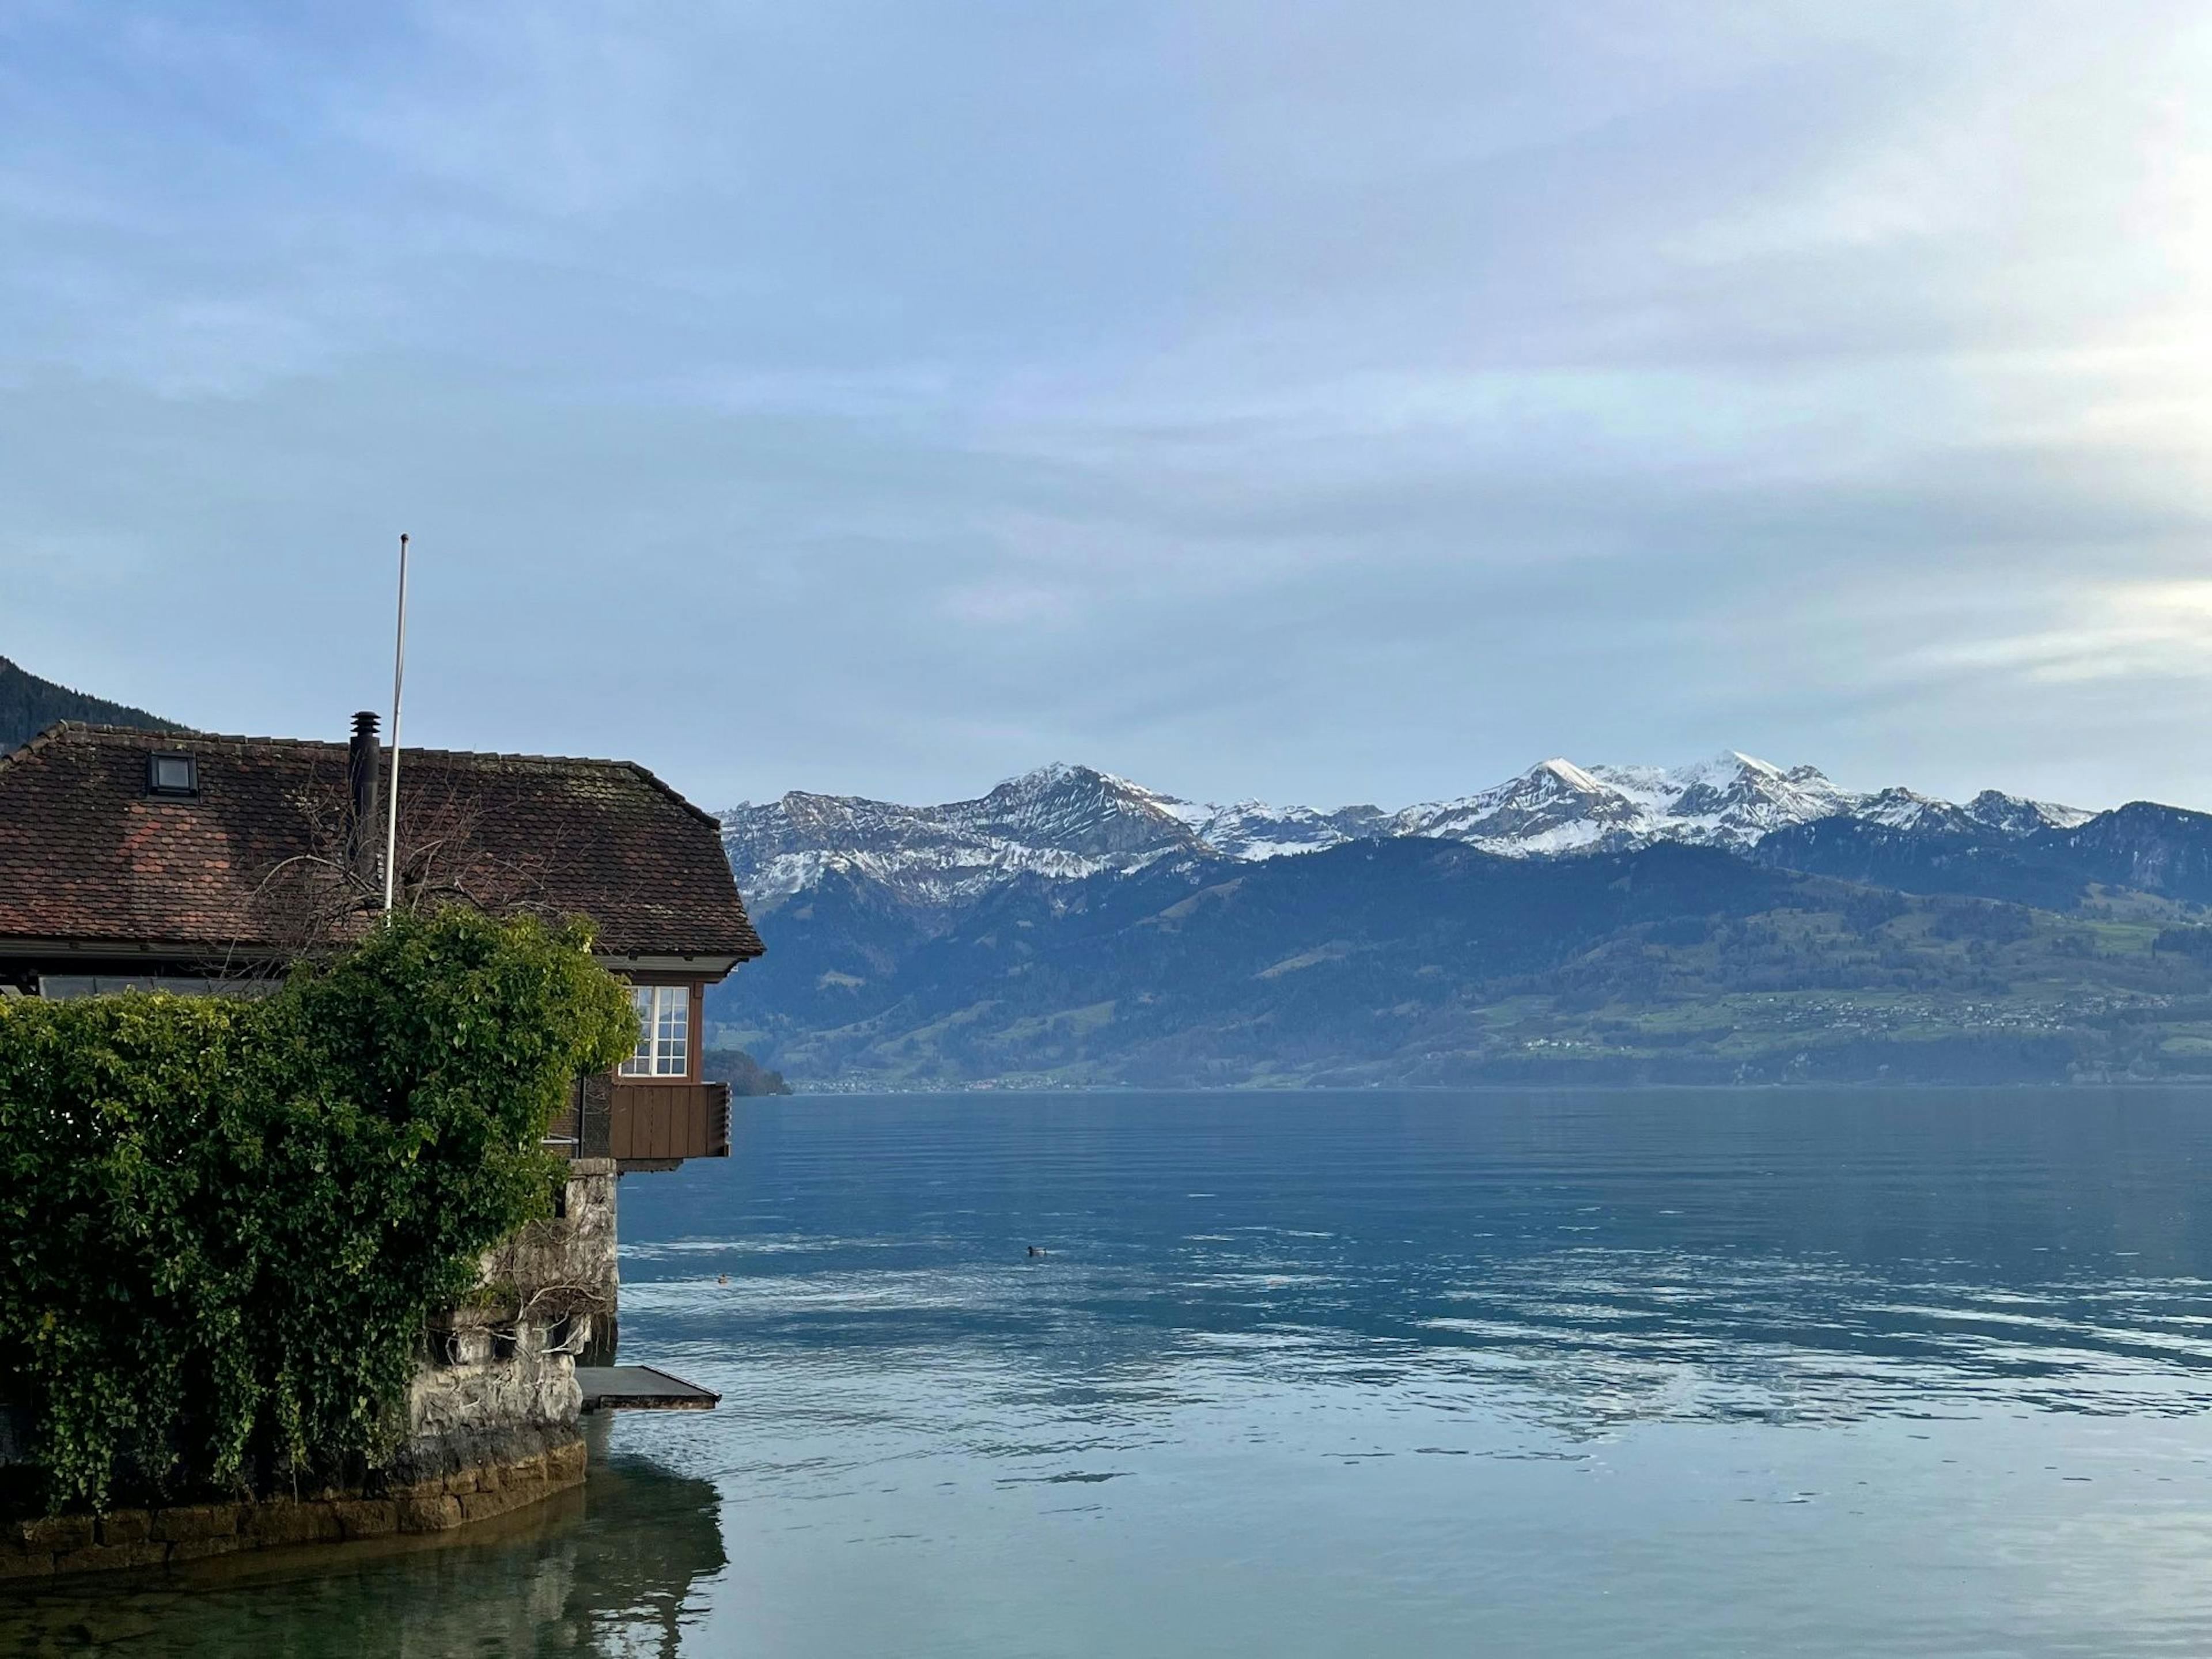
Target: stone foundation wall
{"x":586,"y":1253}
{"x":63,"y":1544}
{"x":497,"y":1396}
{"x":499,"y":1374}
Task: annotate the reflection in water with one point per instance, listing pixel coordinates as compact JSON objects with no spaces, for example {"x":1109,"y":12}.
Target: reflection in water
{"x":1664,"y":1373}
{"x":612,"y":1570}
{"x":1586,"y":1260}
{"x":1668,"y":1373}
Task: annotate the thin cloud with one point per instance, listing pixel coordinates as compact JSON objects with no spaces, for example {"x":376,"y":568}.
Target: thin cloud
{"x":1304,"y":401}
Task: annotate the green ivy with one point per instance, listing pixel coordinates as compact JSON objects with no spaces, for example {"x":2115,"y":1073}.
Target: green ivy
{"x":224,"y":1223}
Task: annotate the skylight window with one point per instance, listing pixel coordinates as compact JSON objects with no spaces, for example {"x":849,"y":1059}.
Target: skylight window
{"x":175,"y":777}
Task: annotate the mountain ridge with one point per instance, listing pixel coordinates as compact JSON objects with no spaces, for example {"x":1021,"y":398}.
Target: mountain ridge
{"x":1727,"y":921}
{"x":1067,"y":822}
{"x":1412,"y":960}
{"x":29,"y":704}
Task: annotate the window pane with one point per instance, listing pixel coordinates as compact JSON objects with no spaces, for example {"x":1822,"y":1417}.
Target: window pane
{"x":664,"y":1041}
{"x":675,"y":1029}
{"x":640,"y":1064}
{"x":171,"y":774}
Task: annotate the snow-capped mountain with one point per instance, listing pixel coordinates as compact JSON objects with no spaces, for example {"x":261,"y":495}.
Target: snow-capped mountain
{"x":1064,"y":823}
{"x":2016,"y":815}
{"x":1560,"y":807}
{"x":1254,"y":830}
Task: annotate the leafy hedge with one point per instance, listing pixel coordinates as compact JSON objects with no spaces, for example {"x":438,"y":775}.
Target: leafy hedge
{"x":223,"y":1222}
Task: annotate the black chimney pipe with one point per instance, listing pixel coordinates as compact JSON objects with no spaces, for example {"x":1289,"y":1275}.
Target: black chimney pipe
{"x":363,"y":755}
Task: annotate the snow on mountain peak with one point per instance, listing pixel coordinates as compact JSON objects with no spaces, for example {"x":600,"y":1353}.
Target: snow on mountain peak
{"x":1063,"y":822}
{"x":1570,"y":773}
{"x":2018,"y":815}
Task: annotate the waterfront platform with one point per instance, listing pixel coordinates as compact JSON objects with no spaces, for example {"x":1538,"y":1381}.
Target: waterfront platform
{"x":640,"y":1388}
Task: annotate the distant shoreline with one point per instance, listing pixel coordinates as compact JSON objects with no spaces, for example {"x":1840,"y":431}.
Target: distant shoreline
{"x":803,"y":1091}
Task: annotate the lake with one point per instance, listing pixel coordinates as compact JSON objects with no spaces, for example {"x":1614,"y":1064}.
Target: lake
{"x":1671,"y":1372}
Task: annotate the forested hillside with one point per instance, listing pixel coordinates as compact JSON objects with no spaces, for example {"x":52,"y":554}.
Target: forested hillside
{"x":28,"y":705}
{"x":1417,"y":961}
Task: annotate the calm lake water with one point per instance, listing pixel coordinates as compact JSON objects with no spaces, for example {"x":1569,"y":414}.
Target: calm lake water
{"x":1680,"y":1373}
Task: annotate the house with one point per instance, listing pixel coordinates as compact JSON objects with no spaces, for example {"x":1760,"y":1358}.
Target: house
{"x":142,"y":860}
{"x":206,"y":866}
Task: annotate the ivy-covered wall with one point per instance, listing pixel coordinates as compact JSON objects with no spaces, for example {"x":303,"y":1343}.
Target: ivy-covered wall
{"x":223,"y":1224}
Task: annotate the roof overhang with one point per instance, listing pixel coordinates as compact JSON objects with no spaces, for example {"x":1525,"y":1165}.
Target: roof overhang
{"x":164,"y":949}
{"x":691,"y":967}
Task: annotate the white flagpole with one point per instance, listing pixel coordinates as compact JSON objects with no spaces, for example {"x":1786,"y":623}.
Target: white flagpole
{"x":398,"y":672}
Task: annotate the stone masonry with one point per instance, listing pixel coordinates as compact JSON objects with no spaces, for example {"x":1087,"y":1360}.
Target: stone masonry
{"x":55,"y":1545}
{"x":498,"y":1378}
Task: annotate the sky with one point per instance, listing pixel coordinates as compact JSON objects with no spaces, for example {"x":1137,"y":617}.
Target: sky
{"x":1320,"y":403}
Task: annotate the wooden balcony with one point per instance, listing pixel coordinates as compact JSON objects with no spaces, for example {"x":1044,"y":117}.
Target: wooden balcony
{"x":644,"y":1125}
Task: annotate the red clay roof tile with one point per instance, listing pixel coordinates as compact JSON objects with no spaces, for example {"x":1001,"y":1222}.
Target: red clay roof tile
{"x":86,"y":855}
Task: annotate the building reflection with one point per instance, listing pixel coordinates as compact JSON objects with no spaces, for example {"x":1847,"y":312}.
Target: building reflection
{"x":614,"y":1569}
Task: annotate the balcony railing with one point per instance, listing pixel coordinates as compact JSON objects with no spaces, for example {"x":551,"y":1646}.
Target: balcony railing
{"x":641,"y":1123}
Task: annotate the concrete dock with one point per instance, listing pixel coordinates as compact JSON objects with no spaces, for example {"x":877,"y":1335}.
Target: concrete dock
{"x":640,"y":1388}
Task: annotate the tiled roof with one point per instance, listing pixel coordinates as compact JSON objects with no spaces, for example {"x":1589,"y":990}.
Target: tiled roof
{"x":86,"y":855}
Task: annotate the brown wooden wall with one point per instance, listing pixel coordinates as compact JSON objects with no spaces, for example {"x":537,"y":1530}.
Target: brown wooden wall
{"x":657,"y":1120}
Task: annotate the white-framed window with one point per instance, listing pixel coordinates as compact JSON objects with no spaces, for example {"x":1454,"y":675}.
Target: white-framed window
{"x":664,"y":1031}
